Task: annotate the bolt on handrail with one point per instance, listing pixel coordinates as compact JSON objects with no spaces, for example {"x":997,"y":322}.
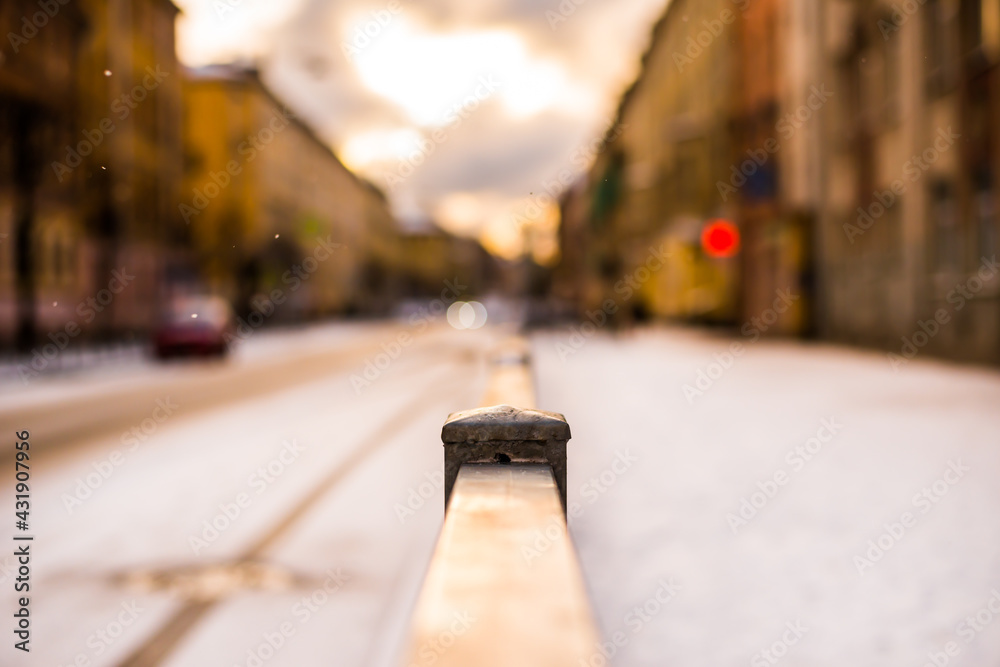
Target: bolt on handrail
{"x":491,"y":597}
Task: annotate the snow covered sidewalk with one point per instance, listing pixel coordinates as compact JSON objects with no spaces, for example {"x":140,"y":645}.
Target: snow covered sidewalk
{"x":809,"y":505}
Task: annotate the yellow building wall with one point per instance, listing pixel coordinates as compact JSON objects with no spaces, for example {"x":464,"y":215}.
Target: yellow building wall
{"x":262,"y":189}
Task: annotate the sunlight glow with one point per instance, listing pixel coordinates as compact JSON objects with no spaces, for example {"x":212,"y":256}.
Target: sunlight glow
{"x":378,"y":147}
{"x":427,"y":74}
{"x":502,"y":237}
{"x":462,"y":212}
{"x":397,"y":74}
{"x":214,"y":31}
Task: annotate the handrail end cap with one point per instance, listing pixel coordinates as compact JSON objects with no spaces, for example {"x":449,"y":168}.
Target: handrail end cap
{"x":504,"y":422}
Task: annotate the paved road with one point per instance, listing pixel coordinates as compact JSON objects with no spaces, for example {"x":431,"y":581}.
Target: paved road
{"x":306,"y":479}
{"x":246,"y":488}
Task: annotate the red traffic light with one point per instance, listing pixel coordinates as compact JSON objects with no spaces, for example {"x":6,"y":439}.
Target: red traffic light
{"x":720,"y":238}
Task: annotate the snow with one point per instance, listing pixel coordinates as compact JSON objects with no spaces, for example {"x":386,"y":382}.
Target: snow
{"x":667,"y":515}
{"x":653,"y":477}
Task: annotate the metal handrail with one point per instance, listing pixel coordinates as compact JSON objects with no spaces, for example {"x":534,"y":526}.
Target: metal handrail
{"x":492,"y":597}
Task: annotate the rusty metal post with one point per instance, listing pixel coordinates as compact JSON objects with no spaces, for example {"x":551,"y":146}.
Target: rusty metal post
{"x":503,"y":434}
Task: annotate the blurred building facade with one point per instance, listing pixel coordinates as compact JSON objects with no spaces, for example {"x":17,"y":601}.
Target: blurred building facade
{"x":270,"y":206}
{"x":130,"y":111}
{"x":125,"y":179}
{"x":433,"y":258}
{"x":773,"y":173}
{"x":37,"y":212}
{"x":653,"y":180}
{"x":912,"y":159}
{"x":92,"y":166}
{"x":854,"y":145}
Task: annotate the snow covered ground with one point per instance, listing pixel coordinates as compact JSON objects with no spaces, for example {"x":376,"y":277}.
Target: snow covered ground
{"x":204,"y":488}
{"x":861,"y":454}
{"x":795,"y":504}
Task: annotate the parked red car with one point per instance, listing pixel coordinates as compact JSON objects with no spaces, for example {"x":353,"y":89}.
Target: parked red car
{"x":194,"y":325}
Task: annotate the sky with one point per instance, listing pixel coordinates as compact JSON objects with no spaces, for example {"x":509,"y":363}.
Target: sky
{"x":464,"y":112}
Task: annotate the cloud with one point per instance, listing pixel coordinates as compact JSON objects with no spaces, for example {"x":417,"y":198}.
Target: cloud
{"x":514,"y":161}
{"x":377,"y":83}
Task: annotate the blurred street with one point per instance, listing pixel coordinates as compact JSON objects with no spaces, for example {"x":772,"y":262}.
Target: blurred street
{"x":254,"y":254}
{"x":272,"y":510}
{"x":281,"y":423}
